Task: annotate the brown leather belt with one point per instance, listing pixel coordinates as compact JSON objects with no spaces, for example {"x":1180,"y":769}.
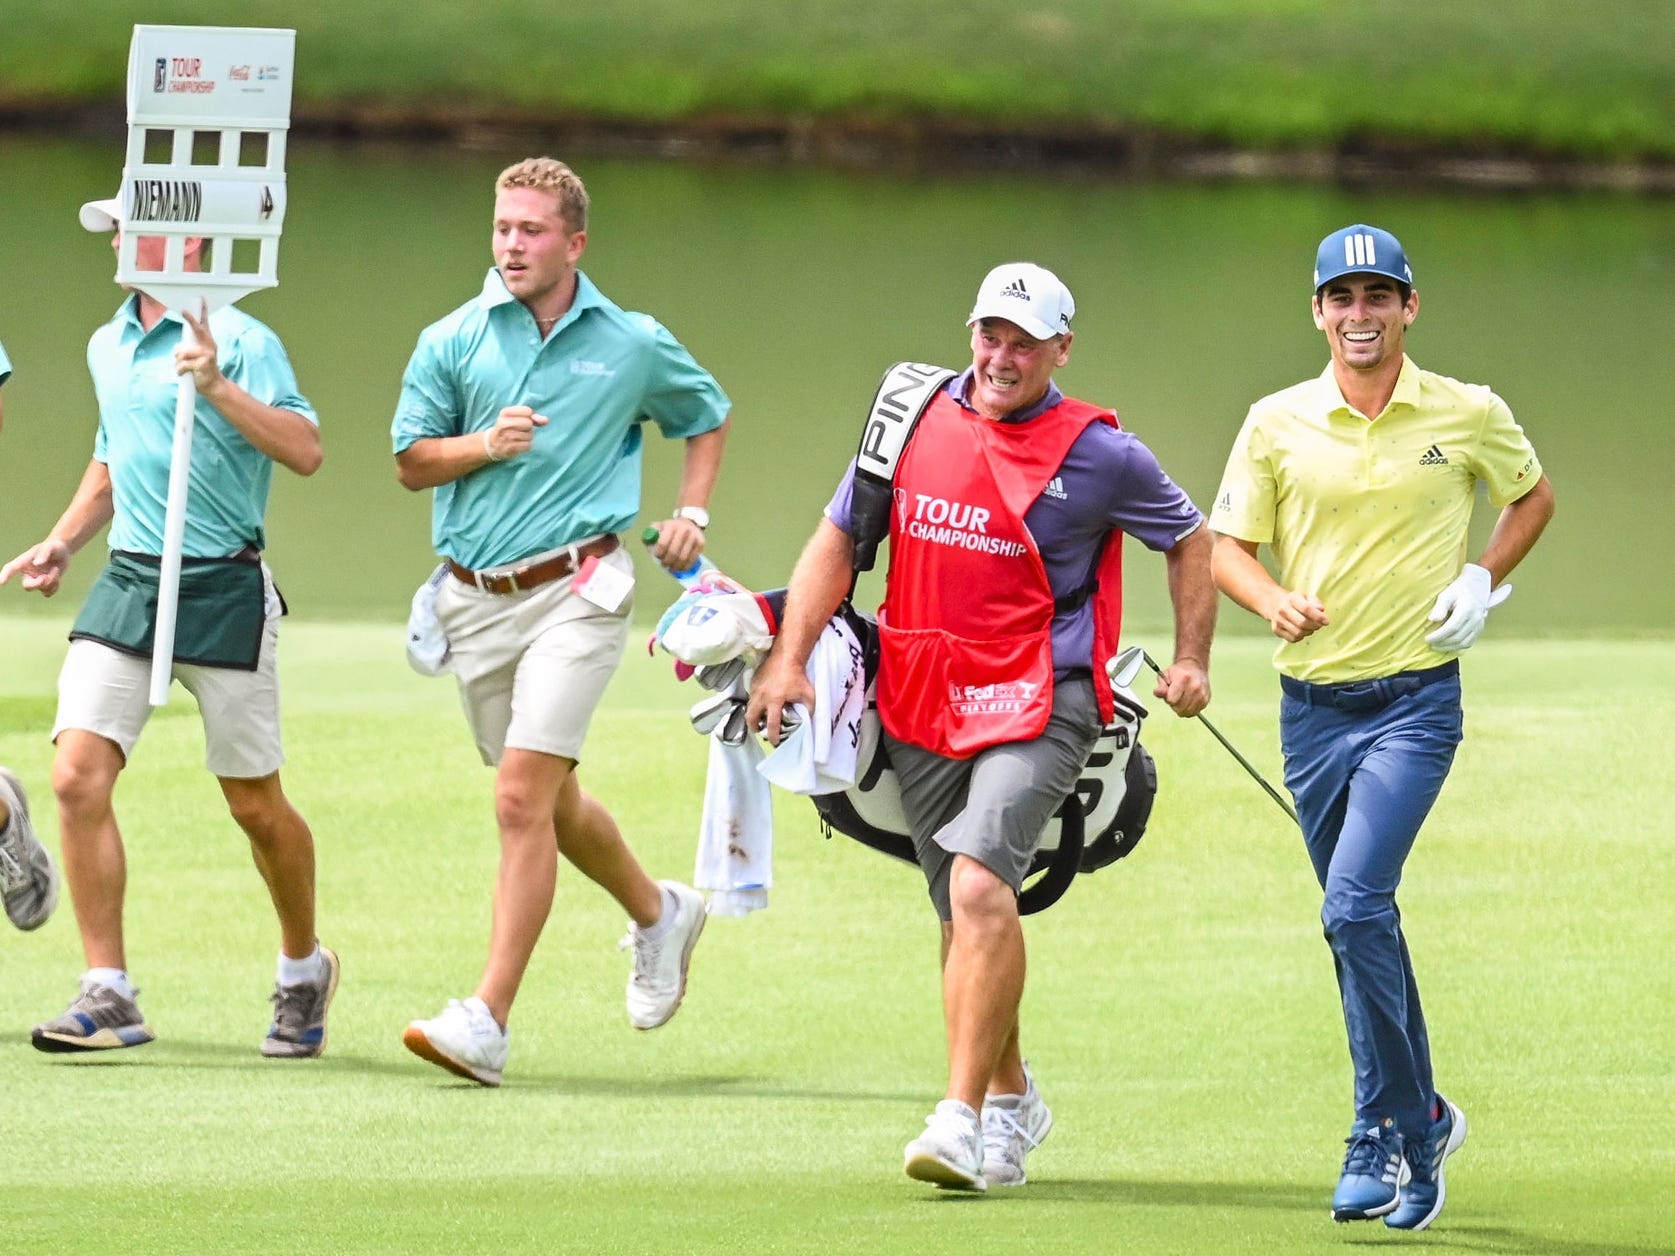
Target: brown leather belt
{"x":536,"y":574}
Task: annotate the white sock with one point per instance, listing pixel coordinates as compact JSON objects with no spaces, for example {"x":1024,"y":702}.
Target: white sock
{"x":665,"y":922}
{"x":297,"y":972}
{"x":478,"y":1008}
{"x":115,"y":978}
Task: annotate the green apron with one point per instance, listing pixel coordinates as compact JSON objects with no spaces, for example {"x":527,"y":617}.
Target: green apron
{"x":219,"y":623}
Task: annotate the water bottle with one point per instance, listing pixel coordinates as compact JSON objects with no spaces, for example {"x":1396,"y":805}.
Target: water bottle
{"x":694,"y":575}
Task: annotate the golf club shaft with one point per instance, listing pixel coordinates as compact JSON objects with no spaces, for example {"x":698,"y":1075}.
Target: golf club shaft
{"x":1228,"y":746}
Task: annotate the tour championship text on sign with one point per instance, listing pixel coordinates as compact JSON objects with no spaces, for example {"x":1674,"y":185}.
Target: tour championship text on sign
{"x":186,"y":75}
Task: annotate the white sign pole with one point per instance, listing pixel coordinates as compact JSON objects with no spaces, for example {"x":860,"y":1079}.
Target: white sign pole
{"x":174,"y":531}
{"x":208,"y":112}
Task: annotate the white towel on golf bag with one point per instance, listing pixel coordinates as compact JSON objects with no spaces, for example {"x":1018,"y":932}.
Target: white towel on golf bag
{"x":818,"y":757}
{"x":736,"y":831}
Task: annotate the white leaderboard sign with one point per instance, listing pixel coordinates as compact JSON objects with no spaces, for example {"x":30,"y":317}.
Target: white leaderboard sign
{"x":209,"y":108}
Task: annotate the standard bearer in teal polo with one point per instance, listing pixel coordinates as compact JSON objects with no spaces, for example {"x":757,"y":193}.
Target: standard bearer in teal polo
{"x":596,"y":376}
{"x":248,"y":415}
{"x":1369,"y":512}
{"x":135,"y":381}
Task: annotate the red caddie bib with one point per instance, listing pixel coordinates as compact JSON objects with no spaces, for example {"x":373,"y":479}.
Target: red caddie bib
{"x":966,"y":657}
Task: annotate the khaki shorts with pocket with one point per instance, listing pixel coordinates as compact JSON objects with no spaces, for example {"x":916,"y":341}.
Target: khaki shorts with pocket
{"x":532,"y":666}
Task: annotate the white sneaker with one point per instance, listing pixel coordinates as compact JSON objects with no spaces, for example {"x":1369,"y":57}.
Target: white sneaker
{"x":658,"y":982}
{"x":28,"y":877}
{"x":1013,"y":1126}
{"x":464,"y":1039}
{"x":950,"y":1151}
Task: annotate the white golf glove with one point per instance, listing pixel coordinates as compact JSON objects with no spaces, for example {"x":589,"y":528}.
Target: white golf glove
{"x":1463,"y":608}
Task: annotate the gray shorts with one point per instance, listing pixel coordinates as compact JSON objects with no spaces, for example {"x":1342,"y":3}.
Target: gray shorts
{"x":108,"y":693}
{"x":532,"y":666}
{"x":993,"y":806}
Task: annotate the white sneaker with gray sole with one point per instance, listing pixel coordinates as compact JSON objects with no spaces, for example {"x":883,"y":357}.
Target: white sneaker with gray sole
{"x":1013,"y":1126}
{"x":949,"y":1153}
{"x":657,"y":983}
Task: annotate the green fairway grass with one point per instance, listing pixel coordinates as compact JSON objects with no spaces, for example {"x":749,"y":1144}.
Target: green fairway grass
{"x":1548,"y":76}
{"x":1181,"y":1015}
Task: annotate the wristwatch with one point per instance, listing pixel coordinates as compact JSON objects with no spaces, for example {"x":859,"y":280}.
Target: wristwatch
{"x":697,"y":514}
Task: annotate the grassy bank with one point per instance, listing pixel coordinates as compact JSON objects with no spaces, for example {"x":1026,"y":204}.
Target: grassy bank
{"x":1180,"y":1013}
{"x":1546,"y":77}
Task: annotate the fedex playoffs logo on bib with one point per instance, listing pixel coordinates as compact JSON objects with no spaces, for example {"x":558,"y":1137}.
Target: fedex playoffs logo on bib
{"x":1004,"y":697}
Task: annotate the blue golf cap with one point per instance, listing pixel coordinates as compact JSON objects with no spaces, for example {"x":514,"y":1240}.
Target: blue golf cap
{"x":1361,"y":250}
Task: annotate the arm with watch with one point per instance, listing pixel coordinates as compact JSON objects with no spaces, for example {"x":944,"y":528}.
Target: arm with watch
{"x":680,"y":537}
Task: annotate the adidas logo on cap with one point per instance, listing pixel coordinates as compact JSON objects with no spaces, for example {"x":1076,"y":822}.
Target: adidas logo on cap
{"x":1026,"y":294}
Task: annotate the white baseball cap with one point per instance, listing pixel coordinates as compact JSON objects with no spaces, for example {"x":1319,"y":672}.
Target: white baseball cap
{"x":1028,"y":295}
{"x":102,"y":215}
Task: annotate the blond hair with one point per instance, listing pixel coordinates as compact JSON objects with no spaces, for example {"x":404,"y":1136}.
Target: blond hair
{"x":545,"y":174}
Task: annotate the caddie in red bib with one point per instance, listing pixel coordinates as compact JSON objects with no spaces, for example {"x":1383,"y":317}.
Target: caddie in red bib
{"x":1005,"y":504}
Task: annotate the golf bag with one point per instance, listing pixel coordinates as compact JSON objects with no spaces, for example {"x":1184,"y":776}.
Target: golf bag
{"x":1099,"y":823}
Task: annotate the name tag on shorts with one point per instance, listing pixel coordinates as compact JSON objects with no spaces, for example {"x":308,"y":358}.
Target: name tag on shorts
{"x":605,"y":586}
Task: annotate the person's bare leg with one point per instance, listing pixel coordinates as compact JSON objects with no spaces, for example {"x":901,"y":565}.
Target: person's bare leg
{"x":282,"y":847}
{"x":526,"y":789}
{"x":84,"y":772}
{"x":589,"y":838}
{"x":982,"y":979}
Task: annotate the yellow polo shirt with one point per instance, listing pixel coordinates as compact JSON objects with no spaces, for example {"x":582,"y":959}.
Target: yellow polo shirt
{"x":1369,"y":515}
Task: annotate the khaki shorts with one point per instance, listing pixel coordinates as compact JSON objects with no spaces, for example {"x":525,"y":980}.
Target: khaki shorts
{"x":108,"y":693}
{"x":532,"y":666}
{"x":993,"y":806}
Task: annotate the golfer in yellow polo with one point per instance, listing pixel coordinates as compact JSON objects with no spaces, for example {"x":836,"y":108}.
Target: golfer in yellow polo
{"x":1362,"y":482}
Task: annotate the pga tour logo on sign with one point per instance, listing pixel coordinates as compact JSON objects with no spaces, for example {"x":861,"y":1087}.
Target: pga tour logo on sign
{"x":181,"y":74}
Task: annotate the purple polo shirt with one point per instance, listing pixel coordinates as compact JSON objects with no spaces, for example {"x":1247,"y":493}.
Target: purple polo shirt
{"x":1108,"y":480}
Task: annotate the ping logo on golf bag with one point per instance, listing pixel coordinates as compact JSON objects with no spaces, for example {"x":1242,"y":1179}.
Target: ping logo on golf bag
{"x":904,"y":392}
{"x":907,"y":388}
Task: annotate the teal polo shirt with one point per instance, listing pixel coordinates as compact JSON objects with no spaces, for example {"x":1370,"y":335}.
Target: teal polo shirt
{"x":597,"y":377}
{"x":135,"y":382}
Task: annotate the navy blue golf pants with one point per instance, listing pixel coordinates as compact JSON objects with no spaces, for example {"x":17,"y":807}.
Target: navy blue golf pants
{"x":1365,"y":761}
